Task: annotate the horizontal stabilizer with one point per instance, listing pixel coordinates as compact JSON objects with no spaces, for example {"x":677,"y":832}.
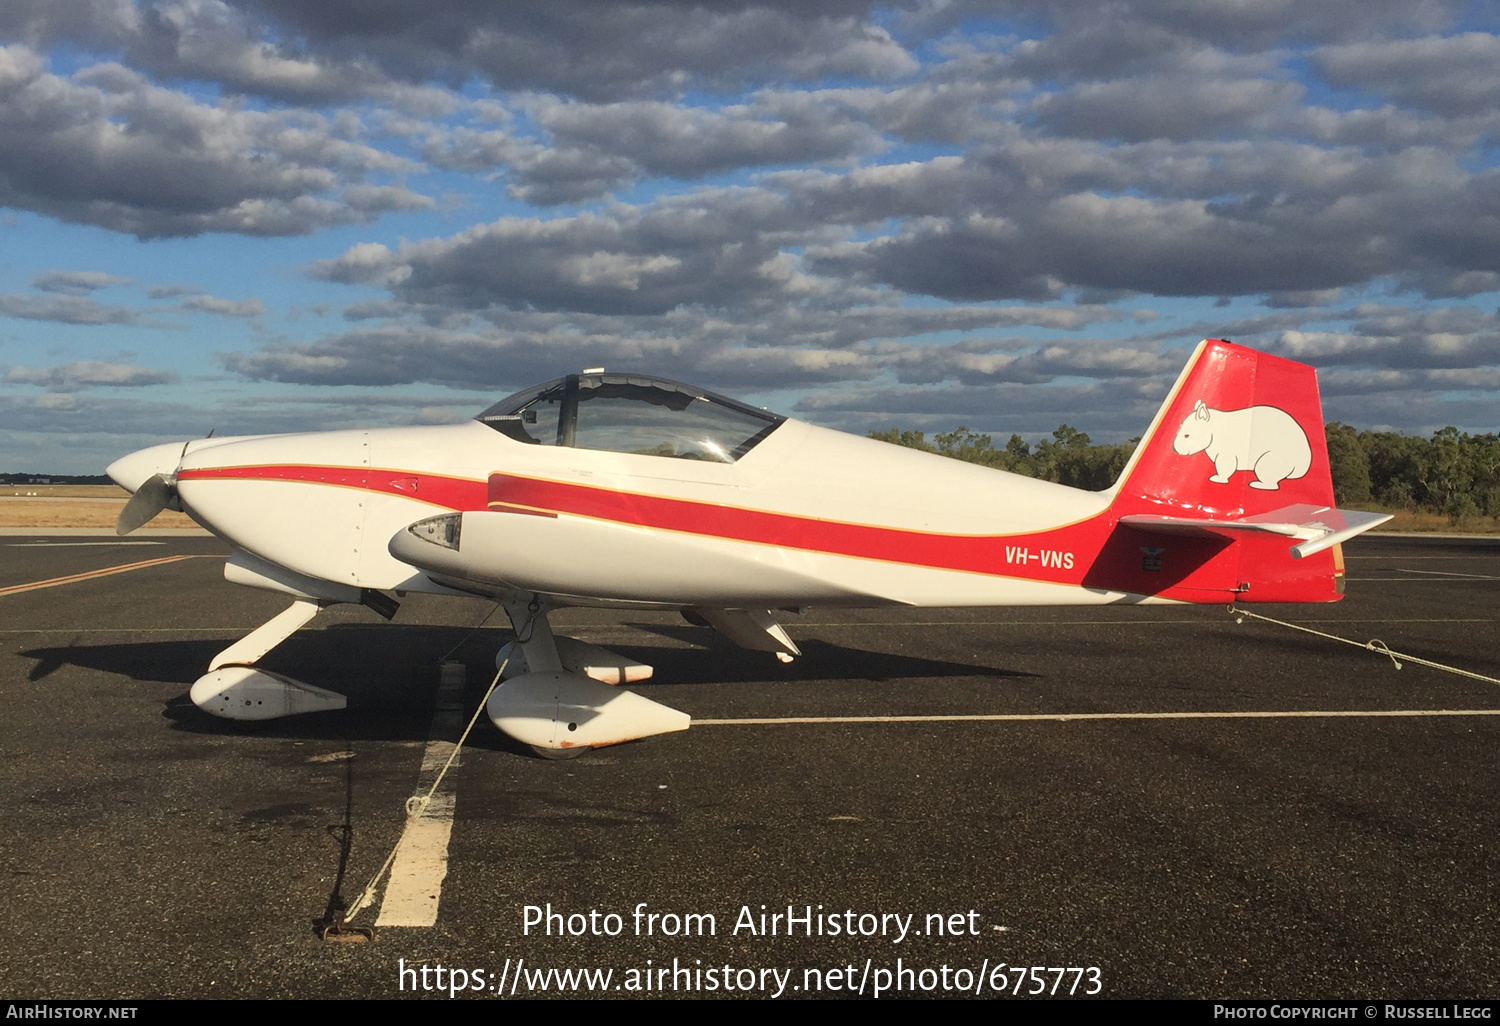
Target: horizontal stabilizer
{"x":1315,"y":527}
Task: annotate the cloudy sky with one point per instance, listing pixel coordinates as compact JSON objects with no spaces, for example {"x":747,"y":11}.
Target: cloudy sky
{"x":276,"y":215}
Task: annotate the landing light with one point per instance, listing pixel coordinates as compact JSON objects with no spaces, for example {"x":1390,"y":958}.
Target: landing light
{"x":441,"y":530}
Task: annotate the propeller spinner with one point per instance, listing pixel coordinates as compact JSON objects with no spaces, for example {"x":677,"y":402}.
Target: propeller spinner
{"x":151,"y":474}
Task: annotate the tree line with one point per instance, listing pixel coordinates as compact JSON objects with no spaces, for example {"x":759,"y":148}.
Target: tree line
{"x":1453,"y":474}
{"x":69,"y":479}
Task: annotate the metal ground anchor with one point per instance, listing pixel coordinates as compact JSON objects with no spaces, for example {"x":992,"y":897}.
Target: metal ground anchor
{"x":341,"y":932}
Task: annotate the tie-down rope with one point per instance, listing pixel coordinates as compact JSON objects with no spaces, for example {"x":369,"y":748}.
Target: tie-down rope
{"x":416,"y":805}
{"x":1373,"y":645}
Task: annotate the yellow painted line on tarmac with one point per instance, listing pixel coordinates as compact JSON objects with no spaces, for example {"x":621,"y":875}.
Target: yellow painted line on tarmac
{"x":16,"y":589}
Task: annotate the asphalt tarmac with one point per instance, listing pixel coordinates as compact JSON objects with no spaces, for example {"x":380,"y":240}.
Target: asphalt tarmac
{"x":149,"y":850}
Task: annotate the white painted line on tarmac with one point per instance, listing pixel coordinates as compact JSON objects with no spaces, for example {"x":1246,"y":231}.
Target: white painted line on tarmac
{"x":1135,"y":623}
{"x":1291,"y":714}
{"x":1408,"y":557}
{"x":604,"y":633}
{"x":416,"y":882}
{"x":1450,"y":573}
{"x":1415,"y":580}
{"x":1430,"y":536}
{"x":616,"y":630}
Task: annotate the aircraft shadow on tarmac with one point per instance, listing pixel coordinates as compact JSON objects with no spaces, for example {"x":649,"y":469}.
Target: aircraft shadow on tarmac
{"x":390,"y":675}
{"x":716,"y":660}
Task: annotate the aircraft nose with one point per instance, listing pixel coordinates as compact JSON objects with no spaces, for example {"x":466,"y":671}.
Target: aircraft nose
{"x":130,"y":472}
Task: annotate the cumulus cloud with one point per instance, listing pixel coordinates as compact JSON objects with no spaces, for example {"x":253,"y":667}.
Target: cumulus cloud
{"x":93,"y":23}
{"x":1163,"y":106}
{"x":1024,"y":361}
{"x":681,"y":142}
{"x":1141,"y":28}
{"x":505,"y":361}
{"x":586,"y":150}
{"x":224,"y":307}
{"x":172,"y":291}
{"x":105,"y":147}
{"x":76,"y":283}
{"x":71,"y":377}
{"x":1402,"y":339}
{"x":399,"y":354}
{"x":212,"y":40}
{"x":81,"y":433}
{"x":793,"y":347}
{"x":1446,"y":74}
{"x":344,"y":48}
{"x":1418,"y":218}
{"x":711,"y":249}
{"x":598,"y":49}
{"x":1107,"y":410}
{"x":65,"y":309}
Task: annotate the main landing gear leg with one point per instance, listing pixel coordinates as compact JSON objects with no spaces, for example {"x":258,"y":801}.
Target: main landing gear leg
{"x":535,"y":646}
{"x":542,"y":650}
{"x":234,"y":689}
{"x":538,"y":648}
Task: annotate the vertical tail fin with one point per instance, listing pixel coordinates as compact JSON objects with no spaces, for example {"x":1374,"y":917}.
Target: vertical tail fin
{"x":1240,"y":434}
{"x":1235,"y":468}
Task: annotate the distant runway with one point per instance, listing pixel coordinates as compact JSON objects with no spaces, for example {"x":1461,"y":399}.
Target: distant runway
{"x":1186,"y":805}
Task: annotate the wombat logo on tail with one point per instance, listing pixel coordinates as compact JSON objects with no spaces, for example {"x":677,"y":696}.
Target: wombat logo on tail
{"x":1262,"y":439}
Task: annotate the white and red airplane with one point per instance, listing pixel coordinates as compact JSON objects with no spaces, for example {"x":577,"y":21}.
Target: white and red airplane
{"x":623,"y":490}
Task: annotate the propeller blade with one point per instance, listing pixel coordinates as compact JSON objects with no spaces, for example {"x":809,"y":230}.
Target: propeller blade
{"x":149,"y":499}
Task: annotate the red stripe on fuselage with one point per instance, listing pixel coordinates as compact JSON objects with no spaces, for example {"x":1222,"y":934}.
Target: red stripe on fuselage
{"x":458,"y":493}
{"x":1096,"y":553}
{"x":973,"y":553}
{"x":1053,"y":556}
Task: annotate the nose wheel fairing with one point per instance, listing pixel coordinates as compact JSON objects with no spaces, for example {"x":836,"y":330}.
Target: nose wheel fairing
{"x":233,"y":688}
{"x":248,"y":693}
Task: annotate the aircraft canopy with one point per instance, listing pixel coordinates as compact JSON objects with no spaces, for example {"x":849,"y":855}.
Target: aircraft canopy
{"x":632,"y":413}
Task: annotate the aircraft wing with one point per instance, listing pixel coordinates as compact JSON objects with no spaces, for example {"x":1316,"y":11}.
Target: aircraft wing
{"x":1316,"y":527}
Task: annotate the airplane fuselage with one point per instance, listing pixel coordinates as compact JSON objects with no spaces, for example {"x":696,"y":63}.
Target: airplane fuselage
{"x":809,"y":516}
